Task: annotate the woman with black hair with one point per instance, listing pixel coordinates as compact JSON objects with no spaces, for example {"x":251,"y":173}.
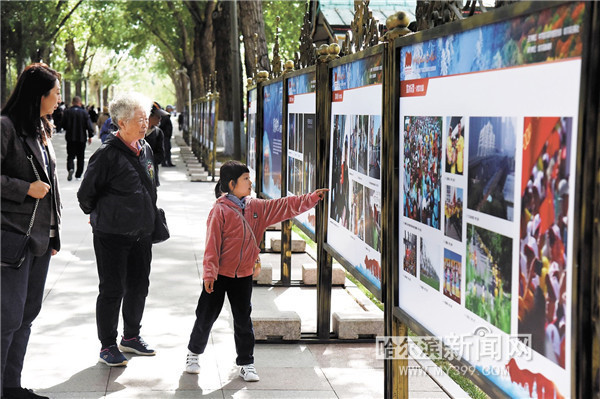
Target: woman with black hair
{"x":29,"y":193}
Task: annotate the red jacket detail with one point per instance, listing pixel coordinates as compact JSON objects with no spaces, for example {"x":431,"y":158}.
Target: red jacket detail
{"x":230,"y":247}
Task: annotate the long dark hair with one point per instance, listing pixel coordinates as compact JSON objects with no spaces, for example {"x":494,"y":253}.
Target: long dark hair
{"x":23,"y":105}
{"x":230,"y":170}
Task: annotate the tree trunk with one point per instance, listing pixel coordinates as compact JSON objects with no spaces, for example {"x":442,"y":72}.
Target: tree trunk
{"x":223,"y":49}
{"x":251,"y":21}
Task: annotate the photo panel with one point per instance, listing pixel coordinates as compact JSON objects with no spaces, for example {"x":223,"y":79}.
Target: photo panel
{"x":362,"y":144}
{"x":375,"y":146}
{"x":429,"y":262}
{"x":292,"y":132}
{"x":453,"y":212}
{"x":489,"y":276}
{"x":310,"y":153}
{"x":357,"y":213}
{"x":409,"y":245}
{"x":354,"y":133}
{"x":452,"y":275}
{"x":340,"y":183}
{"x":545,"y":202}
{"x":422,"y":169}
{"x":455,"y":144}
{"x":491,"y":183}
{"x":373,"y":218}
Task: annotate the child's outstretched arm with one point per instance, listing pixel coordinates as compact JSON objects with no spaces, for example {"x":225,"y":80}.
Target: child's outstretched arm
{"x":287,"y":207}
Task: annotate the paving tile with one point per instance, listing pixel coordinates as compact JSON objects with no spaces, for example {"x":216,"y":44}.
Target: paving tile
{"x":280,"y":378}
{"x":346,"y":355}
{"x":276,"y":394}
{"x":355,"y":382}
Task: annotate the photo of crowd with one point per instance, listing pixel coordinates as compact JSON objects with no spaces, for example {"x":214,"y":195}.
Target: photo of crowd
{"x":453,"y":212}
{"x":452,"y":275}
{"x":422,"y":169}
{"x":455,"y":145}
{"x":252,"y":142}
{"x":491,"y":183}
{"x":375,"y":146}
{"x":357,"y":211}
{"x":488,"y":276}
{"x":409,"y":245}
{"x":358,"y":143}
{"x":295,"y":132}
{"x":309,"y":151}
{"x":429,"y":263}
{"x":340,"y":184}
{"x":373,"y":219}
{"x":543,"y":271}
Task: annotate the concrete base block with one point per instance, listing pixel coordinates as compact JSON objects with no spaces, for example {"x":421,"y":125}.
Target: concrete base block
{"x":309,"y":274}
{"x":297,"y":245}
{"x":199,"y":176}
{"x":355,"y":325}
{"x":266,"y":275}
{"x":278,"y":325}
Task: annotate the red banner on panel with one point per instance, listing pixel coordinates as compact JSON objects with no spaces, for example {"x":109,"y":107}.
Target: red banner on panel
{"x":338,"y":96}
{"x":413,"y":88}
{"x":291,"y":99}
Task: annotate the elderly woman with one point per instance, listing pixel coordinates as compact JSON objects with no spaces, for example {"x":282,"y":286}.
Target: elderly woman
{"x":114,"y":192}
{"x":30,"y":205}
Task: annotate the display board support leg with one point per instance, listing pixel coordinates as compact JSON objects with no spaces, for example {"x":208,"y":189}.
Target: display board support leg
{"x":286,"y":253}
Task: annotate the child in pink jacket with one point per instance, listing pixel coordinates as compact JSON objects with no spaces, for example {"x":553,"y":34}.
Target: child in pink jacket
{"x":234,"y":228}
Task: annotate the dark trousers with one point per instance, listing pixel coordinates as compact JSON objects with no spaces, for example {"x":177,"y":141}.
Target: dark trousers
{"x":239,"y":292}
{"x":167,"y":145}
{"x":75,"y":149}
{"x":22,"y":294}
{"x":124,"y":270}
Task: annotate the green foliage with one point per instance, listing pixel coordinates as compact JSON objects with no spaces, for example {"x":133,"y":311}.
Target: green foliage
{"x":292,"y":15}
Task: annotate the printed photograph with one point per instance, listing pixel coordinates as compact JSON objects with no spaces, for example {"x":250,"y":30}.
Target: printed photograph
{"x":363,"y":138}
{"x":544,"y":228}
{"x":409,"y":244}
{"x":340,"y":185}
{"x":357,"y":213}
{"x":488,"y":276}
{"x":429,"y":264}
{"x":453,"y":212}
{"x":452,"y":275}
{"x":375,"y":146}
{"x":373,"y":219}
{"x":298,"y":136}
{"x":491,"y":184}
{"x":422,"y":169}
{"x":292,"y":132}
{"x":309,"y":151}
{"x":292,"y":176}
{"x":252,"y":141}
{"x":298,"y":180}
{"x":455,"y":145}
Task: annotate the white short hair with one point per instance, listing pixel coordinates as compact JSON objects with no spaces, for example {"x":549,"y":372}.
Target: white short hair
{"x":123,"y":106}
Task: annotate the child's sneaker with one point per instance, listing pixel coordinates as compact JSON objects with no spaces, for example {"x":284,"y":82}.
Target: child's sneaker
{"x":248,"y":373}
{"x":112,"y":356}
{"x":192,"y":366}
{"x":136,"y":345}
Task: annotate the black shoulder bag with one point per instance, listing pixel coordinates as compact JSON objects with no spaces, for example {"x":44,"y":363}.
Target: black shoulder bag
{"x":161,"y":230}
{"x":14,"y":245}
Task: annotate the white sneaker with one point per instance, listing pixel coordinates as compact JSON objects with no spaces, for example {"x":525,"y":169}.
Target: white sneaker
{"x":191,"y":363}
{"x":248,"y":373}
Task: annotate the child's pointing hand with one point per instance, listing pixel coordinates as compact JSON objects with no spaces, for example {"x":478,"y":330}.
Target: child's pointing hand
{"x":321,"y":192}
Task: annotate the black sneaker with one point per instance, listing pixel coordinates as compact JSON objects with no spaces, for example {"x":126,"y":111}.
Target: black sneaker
{"x":136,"y":345}
{"x":70,"y":176}
{"x":20,"y":393}
{"x":112,"y":356}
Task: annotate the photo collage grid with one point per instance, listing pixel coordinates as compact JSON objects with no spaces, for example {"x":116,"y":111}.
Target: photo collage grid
{"x":302,"y":149}
{"x":356,"y":176}
{"x":454,"y":164}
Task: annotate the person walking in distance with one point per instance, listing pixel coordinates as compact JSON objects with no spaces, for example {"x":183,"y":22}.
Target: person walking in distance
{"x":167,"y":128}
{"x":230,"y":256}
{"x":78,"y":129}
{"x":30,"y":200}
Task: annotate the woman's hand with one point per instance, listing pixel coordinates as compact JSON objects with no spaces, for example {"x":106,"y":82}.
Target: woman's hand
{"x":321,"y":192}
{"x":209,"y":286}
{"x":38,"y":189}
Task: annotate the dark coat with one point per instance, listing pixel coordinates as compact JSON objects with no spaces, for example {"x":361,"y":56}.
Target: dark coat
{"x":17,"y":174}
{"x":76,"y":122}
{"x":112,"y":191}
{"x":166,"y":126}
{"x":156,"y":140}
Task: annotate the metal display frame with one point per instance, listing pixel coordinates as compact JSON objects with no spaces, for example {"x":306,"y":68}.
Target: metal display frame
{"x":584,"y":366}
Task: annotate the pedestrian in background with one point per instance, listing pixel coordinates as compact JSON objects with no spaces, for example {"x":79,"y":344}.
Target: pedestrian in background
{"x":26,"y":145}
{"x":167,"y":128}
{"x":102,"y":118}
{"x":113,"y":192}
{"x":155,"y":137}
{"x":230,"y":257}
{"x":78,"y":129}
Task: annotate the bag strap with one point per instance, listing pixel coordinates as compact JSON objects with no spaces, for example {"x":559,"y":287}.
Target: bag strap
{"x":245,"y":221}
{"x":37,"y":176}
{"x":145,"y":178}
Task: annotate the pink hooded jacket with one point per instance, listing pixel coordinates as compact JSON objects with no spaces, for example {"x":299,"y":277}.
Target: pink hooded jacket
{"x":231,"y":249}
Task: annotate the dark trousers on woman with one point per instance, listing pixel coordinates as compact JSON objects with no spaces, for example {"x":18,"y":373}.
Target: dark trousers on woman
{"x":124,"y":270}
{"x":76,"y":149}
{"x":22,"y":294}
{"x":239,"y":292}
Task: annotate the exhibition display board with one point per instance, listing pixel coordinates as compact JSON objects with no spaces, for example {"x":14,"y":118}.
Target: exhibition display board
{"x":488,"y":126}
{"x":301,"y":142}
{"x":354,"y":220}
{"x":272,"y":139}
{"x":251,"y":134}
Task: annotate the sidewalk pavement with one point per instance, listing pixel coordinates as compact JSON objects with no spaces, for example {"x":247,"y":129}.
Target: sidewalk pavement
{"x":63,"y":351}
